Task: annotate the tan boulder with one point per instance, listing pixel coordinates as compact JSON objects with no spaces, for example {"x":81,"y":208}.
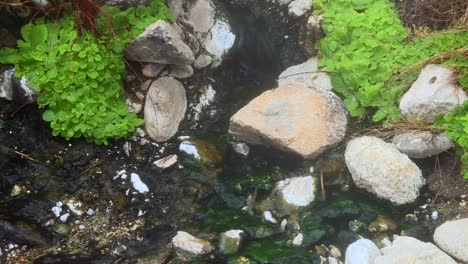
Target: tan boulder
{"x":294,"y":118}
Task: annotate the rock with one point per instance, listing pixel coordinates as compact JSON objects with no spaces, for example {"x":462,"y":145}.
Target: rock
{"x":202,"y":15}
{"x":299,"y":8}
{"x":124,"y":4}
{"x":230,"y":241}
{"x":292,"y":195}
{"x":434,"y":92}
{"x":181,"y":71}
{"x":362,"y":251}
{"x":206,"y":98}
{"x":310,"y":33}
{"x":176,"y":7}
{"x":188,"y":247}
{"x":6,"y":84}
{"x":422,"y":144}
{"x":166,"y":162}
{"x":268,"y":216}
{"x":219,"y":41}
{"x":381,"y":169}
{"x":410,"y":250}
{"x":452,"y":237}
{"x":202,"y":61}
{"x":382,"y":224}
{"x":284,"y":2}
{"x":14,"y":89}
{"x":205,"y":153}
{"x":292,"y":118}
{"x":138,"y":184}
{"x":307,"y":73}
{"x":297,"y":240}
{"x":165,"y":108}
{"x":133,"y":106}
{"x":152,"y":70}
{"x":160,"y":43}
{"x":241,"y":148}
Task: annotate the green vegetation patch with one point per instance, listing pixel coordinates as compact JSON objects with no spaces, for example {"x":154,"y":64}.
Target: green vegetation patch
{"x":372,"y":61}
{"x":79,"y":76}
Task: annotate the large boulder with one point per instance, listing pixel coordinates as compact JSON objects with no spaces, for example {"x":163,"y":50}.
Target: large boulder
{"x":362,"y":251}
{"x":422,"y":144}
{"x":410,"y":250}
{"x":294,"y":194}
{"x":293,"y":118}
{"x":381,"y":169}
{"x":165,"y":108}
{"x":434,"y":92}
{"x":160,"y":43}
{"x":307,"y":73}
{"x":452,"y":237}
{"x":188,"y":247}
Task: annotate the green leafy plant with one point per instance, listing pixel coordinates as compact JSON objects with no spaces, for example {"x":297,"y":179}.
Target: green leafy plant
{"x":79,"y":76}
{"x":372,"y":61}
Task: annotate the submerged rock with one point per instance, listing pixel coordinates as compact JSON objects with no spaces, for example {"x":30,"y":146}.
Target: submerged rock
{"x":292,"y":118}
{"x":452,"y":237}
{"x":165,"y":108}
{"x":230,"y":241}
{"x":434,"y":92}
{"x":422,"y":144}
{"x":188,"y":247}
{"x":160,"y":43}
{"x":410,"y":250}
{"x":381,"y":169}
{"x":294,"y":194}
{"x":362,"y":251}
{"x":307,"y":73}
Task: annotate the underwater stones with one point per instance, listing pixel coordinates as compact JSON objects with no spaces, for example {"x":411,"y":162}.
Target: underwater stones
{"x":434,"y":92}
{"x":230,"y":241}
{"x":381,"y":169}
{"x":362,"y":251}
{"x":292,"y":118}
{"x":166,"y":162}
{"x":165,"y":108}
{"x":410,"y":250}
{"x":307,"y":73}
{"x":160,"y":43}
{"x":188,"y":247}
{"x":422,"y":144}
{"x":299,"y":8}
{"x":292,"y":195}
{"x":452,"y":237}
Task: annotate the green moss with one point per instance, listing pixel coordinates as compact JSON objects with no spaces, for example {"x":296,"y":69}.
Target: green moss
{"x":79,"y":77}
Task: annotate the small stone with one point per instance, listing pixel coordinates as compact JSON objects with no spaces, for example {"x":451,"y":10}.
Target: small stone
{"x":138,"y":184}
{"x":269,"y":217}
{"x":299,"y":8}
{"x":133,"y":106}
{"x":334,"y":251}
{"x":166,"y":162}
{"x":297,"y":241}
{"x":241,"y":148}
{"x":422,"y":144}
{"x":230,"y":241}
{"x":294,"y":194}
{"x":283,"y":224}
{"x":188,"y":247}
{"x":435,"y":215}
{"x":181,"y":71}
{"x":18,"y":190}
{"x":221,"y":40}
{"x":64,"y":217}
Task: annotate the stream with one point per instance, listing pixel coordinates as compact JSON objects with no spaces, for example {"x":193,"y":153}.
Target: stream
{"x":111,"y":221}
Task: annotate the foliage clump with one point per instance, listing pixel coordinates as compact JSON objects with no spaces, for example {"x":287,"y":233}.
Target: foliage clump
{"x":79,"y":76}
{"x":372,"y":60}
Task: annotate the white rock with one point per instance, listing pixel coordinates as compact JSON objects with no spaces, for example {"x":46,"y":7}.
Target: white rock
{"x":241,"y":148}
{"x":6,"y":84}
{"x":362,"y":251}
{"x":219,"y":41}
{"x":410,"y":250}
{"x":74,"y":207}
{"x":299,"y":8}
{"x":187,"y":246}
{"x":205,"y":100}
{"x":422,"y":144}
{"x":230,"y":241}
{"x":283,"y":224}
{"x":269,"y":217}
{"x":64,"y":217}
{"x":189,"y":148}
{"x":381,"y":169}
{"x":434,"y":92}
{"x":138,"y":184}
{"x":293,"y":194}
{"x":297,"y":241}
{"x":307,"y":73}
{"x":57,"y":210}
{"x":166,"y":162}
{"x":452,"y":237}
{"x":435,"y":215}
{"x":133,"y":106}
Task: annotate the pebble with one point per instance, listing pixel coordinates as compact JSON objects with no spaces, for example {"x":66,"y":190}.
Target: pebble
{"x":269,"y":217}
{"x":138,"y":184}
{"x":64,"y":217}
{"x":435,"y":215}
{"x":283,"y":224}
{"x":297,"y":241}
{"x":90,"y":212}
